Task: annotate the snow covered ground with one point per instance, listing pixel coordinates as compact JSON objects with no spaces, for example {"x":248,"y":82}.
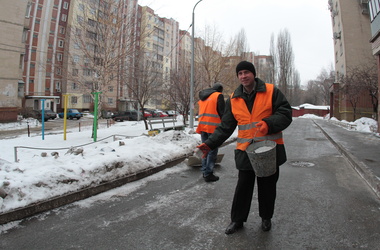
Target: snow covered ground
{"x":77,"y":162}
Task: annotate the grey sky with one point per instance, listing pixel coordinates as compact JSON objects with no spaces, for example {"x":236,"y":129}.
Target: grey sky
{"x":308,"y":22}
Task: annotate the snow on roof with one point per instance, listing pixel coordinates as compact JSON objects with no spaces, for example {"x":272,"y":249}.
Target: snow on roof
{"x":311,"y":106}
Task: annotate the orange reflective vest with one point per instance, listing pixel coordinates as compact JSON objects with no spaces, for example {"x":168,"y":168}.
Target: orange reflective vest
{"x":262,"y":108}
{"x":208,"y":117}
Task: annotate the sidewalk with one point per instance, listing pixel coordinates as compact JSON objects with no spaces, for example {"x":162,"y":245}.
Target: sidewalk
{"x":361,"y":150}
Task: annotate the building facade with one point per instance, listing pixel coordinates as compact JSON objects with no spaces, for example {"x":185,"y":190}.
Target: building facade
{"x":374,"y":10}
{"x":45,"y":47}
{"x":14,"y":25}
{"x":353,"y":53}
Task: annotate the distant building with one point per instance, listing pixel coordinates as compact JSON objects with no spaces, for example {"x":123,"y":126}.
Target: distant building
{"x":351,"y":35}
{"x":310,"y":109}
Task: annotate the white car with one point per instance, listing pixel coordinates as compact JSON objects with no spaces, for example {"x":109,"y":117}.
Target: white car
{"x":172,"y":113}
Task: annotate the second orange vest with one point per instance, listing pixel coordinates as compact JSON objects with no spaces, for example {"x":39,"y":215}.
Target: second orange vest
{"x":208,"y":117}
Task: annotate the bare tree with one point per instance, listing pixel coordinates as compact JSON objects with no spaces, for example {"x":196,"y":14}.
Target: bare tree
{"x":146,"y":83}
{"x":180,"y":89}
{"x":97,"y":51}
{"x":283,"y":56}
{"x":325,"y":79}
{"x":356,"y":83}
{"x":241,"y":44}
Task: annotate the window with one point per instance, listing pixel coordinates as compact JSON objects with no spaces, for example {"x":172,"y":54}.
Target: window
{"x":65,"y":5}
{"x":24,"y":35}
{"x":79,"y":19}
{"x":76,"y":46}
{"x":110,"y":88}
{"x":81,"y":7}
{"x":58,"y":85}
{"x":78,"y":32}
{"x":110,"y":100}
{"x":75,"y":72}
{"x":74,"y":99}
{"x":58,"y":71}
{"x":76,"y":58}
{"x":21,"y":62}
{"x":61,"y":30}
{"x":87,"y":98}
{"x":60,"y":43}
{"x":87,"y":72}
{"x":74,"y":86}
{"x":59,"y":57}
{"x":64,"y":18}
{"x":91,"y":22}
{"x":28,"y":8}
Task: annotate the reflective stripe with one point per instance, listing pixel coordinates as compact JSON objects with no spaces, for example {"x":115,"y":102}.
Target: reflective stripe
{"x":247,"y":126}
{"x":209,"y":123}
{"x":208,"y":115}
{"x":261,"y":138}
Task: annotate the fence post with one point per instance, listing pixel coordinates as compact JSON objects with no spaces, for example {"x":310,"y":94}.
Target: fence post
{"x":15,"y":151}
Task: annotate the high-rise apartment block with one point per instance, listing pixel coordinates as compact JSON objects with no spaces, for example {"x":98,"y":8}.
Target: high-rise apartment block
{"x":374,"y":11}
{"x":63,"y":53}
{"x":353,"y":52}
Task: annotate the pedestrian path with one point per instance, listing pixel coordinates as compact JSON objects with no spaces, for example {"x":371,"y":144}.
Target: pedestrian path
{"x":361,"y":149}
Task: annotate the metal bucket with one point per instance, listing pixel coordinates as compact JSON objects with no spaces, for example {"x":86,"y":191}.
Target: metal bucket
{"x":262,"y":155}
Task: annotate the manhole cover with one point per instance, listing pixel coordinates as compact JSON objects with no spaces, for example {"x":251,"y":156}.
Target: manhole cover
{"x":303,"y":164}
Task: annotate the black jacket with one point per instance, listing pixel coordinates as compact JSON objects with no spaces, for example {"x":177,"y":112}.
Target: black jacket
{"x":279,"y":120}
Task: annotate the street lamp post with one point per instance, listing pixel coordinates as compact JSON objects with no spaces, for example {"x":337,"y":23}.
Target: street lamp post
{"x":192,"y":72}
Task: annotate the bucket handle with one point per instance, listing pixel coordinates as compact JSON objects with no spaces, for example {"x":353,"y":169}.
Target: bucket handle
{"x":254,"y":136}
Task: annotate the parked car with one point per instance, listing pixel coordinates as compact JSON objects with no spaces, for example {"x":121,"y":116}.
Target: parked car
{"x":37,"y":114}
{"x":147,"y":114}
{"x":129,"y":115}
{"x":50,"y":114}
{"x":160,"y":113}
{"x":172,"y":113}
{"x":71,"y":114}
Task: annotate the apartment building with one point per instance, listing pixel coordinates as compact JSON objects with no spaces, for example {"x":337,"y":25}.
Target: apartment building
{"x":351,"y":35}
{"x":374,"y":11}
{"x":14,"y":25}
{"x":45,"y":48}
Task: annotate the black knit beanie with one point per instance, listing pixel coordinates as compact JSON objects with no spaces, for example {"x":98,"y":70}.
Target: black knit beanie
{"x":244,"y":65}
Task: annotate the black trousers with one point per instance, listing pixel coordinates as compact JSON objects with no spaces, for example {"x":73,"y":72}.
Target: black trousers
{"x":266,"y":188}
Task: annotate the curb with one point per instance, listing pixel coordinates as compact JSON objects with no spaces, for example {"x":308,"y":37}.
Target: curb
{"x":366,"y":173}
{"x":47,"y":205}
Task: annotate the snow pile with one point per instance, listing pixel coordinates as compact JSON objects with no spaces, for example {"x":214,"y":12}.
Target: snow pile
{"x":52,"y":167}
{"x":366,"y":125}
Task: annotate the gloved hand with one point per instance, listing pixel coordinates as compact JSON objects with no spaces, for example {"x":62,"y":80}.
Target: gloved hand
{"x":263,"y":127}
{"x":205,"y":149}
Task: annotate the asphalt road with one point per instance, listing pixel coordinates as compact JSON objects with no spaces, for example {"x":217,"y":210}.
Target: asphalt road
{"x":322,"y":204}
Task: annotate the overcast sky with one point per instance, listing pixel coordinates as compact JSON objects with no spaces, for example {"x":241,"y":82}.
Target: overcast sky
{"x":308,"y":22}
